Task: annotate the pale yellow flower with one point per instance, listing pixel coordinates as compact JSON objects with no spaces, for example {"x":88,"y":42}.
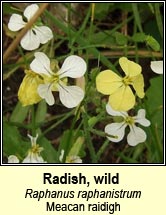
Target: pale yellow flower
{"x":27,"y":93}
{"x":119,"y":88}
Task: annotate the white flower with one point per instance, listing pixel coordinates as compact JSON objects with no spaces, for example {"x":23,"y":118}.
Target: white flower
{"x":73,"y":159}
{"x":157,"y":66}
{"x":13,"y":159}
{"x":73,"y":67}
{"x":116,"y":131}
{"x":69,"y":158}
{"x":34,"y":153}
{"x":36,"y":35}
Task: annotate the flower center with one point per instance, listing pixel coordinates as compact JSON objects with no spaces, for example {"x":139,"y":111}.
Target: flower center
{"x":129,"y":120}
{"x":36,"y":149}
{"x":127,"y":80}
{"x":54,"y":78}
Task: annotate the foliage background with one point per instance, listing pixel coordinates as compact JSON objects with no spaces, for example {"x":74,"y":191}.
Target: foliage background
{"x":100,"y":33}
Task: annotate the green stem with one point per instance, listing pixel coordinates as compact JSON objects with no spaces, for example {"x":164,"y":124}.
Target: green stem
{"x":69,"y":24}
{"x":99,"y":133}
{"x":159,"y":19}
{"x":155,"y":138}
{"x":136,"y":47}
{"x":33,"y":127}
{"x":23,"y":56}
{"x":69,"y":138}
{"x":137,"y":16}
{"x":88,"y":139}
{"x":102,"y":148}
{"x":57,"y":123}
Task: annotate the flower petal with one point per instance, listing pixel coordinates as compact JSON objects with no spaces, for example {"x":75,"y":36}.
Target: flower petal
{"x":73,"y":66}
{"x":33,"y":158}
{"x":138,"y":85}
{"x":16,"y":22}
{"x":27,"y":93}
{"x":116,"y":130}
{"x":140,"y":118}
{"x":112,"y":112}
{"x":13,"y":159}
{"x":73,"y":159}
{"x":45,"y":92}
{"x":123,"y":99}
{"x":41,"y":64}
{"x":108,"y":82}
{"x":70,"y":96}
{"x":129,"y":67}
{"x":61,"y":155}
{"x":30,"y":41}
{"x":136,"y":135}
{"x":157,"y":66}
{"x":33,"y":139}
{"x":30,"y":11}
{"x":44,"y":33}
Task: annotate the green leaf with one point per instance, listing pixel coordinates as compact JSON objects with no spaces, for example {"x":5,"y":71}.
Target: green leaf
{"x":104,"y":38}
{"x":154,"y":100}
{"x":41,"y":112}
{"x":92,"y":121}
{"x":153,"y":43}
{"x":151,"y":7}
{"x":49,"y":153}
{"x":139,"y":37}
{"x":94,"y":72}
{"x":121,"y":39}
{"x":19,"y":113}
{"x":65,"y":144}
{"x":12,"y":141}
{"x":102,"y":9}
{"x":75,"y":149}
{"x":154,"y":107}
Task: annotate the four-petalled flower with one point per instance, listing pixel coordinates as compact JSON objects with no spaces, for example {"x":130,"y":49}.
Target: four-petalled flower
{"x":116,"y":131}
{"x":34,"y":152}
{"x":36,"y":35}
{"x":121,"y":96}
{"x":73,"y":67}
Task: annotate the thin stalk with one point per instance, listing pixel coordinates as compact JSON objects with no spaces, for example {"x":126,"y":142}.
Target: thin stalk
{"x":33,"y":127}
{"x":88,"y":139}
{"x":102,"y":148}
{"x":159,"y":18}
{"x":57,"y":123}
{"x":71,"y":130}
{"x":69,"y":24}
